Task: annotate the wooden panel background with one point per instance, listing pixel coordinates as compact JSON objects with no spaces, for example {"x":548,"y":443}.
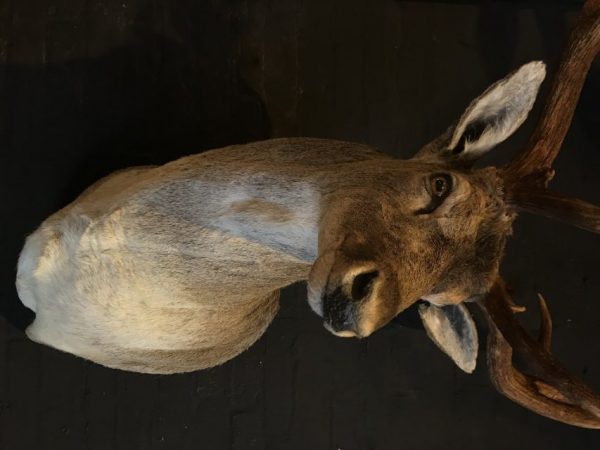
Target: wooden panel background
{"x":87,"y":87}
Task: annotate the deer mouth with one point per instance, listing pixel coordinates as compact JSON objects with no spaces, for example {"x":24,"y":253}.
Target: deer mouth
{"x":343,"y":333}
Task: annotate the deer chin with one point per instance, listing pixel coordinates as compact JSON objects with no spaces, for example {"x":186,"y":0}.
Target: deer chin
{"x":343,"y":334}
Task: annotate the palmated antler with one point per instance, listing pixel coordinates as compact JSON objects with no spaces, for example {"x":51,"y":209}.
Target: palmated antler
{"x":554,"y":392}
{"x":527,"y":176}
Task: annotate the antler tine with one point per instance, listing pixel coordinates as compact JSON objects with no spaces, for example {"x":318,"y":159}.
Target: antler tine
{"x":556,"y":394}
{"x":545,"y":142}
{"x":545,"y":336}
{"x":556,"y":206}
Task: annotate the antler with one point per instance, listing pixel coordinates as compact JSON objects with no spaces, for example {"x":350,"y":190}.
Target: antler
{"x":529,"y":173}
{"x":555,"y":393}
{"x":545,"y":142}
{"x":556,"y":206}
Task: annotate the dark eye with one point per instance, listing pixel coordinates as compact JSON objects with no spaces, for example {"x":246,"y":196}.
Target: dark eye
{"x":440,"y":185}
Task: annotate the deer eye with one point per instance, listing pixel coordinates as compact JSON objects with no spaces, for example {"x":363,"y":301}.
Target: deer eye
{"x":440,"y":185}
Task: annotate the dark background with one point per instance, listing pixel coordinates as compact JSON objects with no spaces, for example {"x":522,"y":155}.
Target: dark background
{"x":87,"y":87}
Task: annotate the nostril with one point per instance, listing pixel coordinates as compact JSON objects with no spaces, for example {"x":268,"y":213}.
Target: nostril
{"x":361,"y":285}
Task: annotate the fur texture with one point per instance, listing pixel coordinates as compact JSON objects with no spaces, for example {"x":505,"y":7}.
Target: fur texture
{"x":177,"y":268}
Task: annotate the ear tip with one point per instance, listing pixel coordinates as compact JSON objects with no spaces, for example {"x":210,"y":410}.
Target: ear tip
{"x":468,"y":367}
{"x":534,"y":70}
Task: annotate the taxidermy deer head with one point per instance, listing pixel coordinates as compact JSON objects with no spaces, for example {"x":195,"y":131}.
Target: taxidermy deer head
{"x":177,"y":268}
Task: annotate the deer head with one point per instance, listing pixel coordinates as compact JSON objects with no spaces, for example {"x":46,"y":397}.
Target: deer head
{"x":438,"y":231}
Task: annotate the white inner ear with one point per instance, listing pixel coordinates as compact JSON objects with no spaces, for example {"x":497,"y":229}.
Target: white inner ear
{"x":453,"y":330}
{"x":498,"y":112}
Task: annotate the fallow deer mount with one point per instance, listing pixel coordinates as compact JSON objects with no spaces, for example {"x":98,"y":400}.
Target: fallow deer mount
{"x":179,"y":267}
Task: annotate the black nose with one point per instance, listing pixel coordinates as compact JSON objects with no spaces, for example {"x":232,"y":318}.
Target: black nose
{"x":338,"y":310}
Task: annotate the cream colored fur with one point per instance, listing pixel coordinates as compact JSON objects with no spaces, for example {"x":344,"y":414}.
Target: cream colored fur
{"x":178,"y":268}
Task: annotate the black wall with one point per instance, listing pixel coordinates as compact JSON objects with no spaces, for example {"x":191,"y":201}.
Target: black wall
{"x":87,"y":87}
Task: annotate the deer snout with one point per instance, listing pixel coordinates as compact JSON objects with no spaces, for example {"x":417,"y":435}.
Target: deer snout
{"x":339,"y":313}
{"x":341,"y":305}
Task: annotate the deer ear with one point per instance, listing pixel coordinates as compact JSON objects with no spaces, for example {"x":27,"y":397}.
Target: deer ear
{"x":490,"y":118}
{"x":498,"y":112}
{"x":453,"y":330}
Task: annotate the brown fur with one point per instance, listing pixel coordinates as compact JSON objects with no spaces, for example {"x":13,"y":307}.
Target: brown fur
{"x":176,"y":268}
